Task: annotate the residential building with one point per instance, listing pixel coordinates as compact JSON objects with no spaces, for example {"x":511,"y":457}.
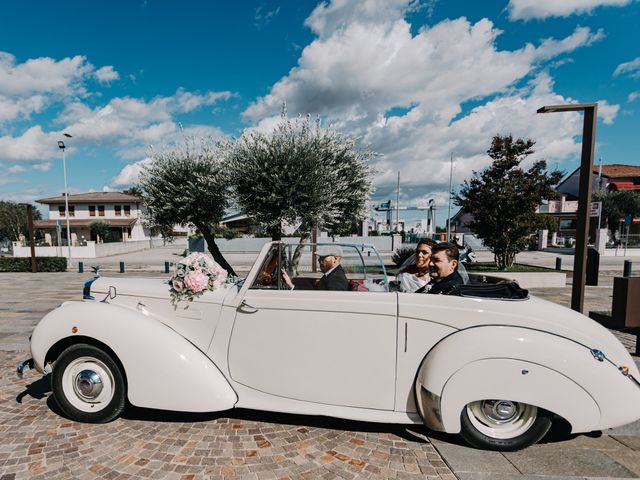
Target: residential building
{"x":121,"y":211}
{"x":614,"y":177}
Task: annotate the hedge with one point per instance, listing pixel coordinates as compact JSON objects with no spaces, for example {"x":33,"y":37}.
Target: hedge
{"x":23,"y":264}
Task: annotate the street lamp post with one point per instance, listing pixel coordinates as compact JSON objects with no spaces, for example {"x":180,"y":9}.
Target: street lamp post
{"x":432,"y":214}
{"x":62,"y":147}
{"x":450,"y":188}
{"x":584,"y":195}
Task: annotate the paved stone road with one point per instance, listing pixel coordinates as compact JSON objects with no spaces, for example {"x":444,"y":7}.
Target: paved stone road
{"x":36,"y":442}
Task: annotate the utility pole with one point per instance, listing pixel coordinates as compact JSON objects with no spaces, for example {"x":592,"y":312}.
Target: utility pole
{"x":398,"y":204}
{"x":449,"y":214}
{"x":599,"y":177}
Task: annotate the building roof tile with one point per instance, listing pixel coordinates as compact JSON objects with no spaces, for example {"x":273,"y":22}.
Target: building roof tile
{"x":617,"y":170}
{"x":93,"y":197}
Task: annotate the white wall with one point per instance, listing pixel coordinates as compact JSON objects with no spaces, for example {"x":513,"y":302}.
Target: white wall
{"x":89,"y":251}
{"x":92,"y":250}
{"x":248,"y":244}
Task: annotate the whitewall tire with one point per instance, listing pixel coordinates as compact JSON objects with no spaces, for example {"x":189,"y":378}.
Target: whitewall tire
{"x":88,"y":384}
{"x":503,"y":425}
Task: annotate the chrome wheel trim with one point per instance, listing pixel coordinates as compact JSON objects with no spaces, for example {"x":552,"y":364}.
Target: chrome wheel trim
{"x":501,"y":419}
{"x":88,"y":384}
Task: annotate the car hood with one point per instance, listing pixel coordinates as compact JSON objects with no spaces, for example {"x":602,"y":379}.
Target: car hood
{"x":533,"y":313}
{"x":148,"y":288}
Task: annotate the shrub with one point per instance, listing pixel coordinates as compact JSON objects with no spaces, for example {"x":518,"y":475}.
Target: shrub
{"x":401,"y":254}
{"x":23,"y":264}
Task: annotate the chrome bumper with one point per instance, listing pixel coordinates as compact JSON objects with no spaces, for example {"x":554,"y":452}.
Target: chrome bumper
{"x":23,"y":367}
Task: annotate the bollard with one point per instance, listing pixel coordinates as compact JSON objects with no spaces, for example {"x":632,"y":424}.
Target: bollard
{"x":121,"y":267}
{"x":166,"y":267}
{"x":627,"y":268}
{"x":80,"y":267}
{"x":558,"y":263}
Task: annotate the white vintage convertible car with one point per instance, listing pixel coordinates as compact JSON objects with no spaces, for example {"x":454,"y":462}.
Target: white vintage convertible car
{"x":496,"y":370}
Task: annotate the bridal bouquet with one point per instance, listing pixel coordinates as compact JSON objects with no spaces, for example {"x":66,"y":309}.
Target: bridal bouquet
{"x":193,"y":276}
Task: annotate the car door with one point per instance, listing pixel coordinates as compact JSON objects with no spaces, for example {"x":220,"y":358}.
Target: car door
{"x":336,"y":348}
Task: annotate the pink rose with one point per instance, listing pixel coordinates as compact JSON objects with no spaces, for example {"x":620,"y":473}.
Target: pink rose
{"x":196,"y":281}
{"x":178,"y":284}
{"x":221,"y":273}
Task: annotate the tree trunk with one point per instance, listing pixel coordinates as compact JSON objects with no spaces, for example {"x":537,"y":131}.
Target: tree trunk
{"x":276,"y":233}
{"x":295,"y":260}
{"x":214,"y":250}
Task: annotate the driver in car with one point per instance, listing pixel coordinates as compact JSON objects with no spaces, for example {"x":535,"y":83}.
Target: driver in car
{"x":333,"y":278}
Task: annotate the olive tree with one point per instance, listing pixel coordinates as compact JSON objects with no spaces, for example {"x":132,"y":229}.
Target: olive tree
{"x":504,"y":197}
{"x":300,"y":173}
{"x":188,"y":185}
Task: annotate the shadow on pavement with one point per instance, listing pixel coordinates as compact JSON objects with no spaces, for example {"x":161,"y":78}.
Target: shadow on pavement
{"x":38,"y":389}
{"x":412,"y":433}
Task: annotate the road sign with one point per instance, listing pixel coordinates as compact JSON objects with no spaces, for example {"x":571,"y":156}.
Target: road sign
{"x":628,"y":219}
{"x":595,"y":209}
{"x":59,"y":225}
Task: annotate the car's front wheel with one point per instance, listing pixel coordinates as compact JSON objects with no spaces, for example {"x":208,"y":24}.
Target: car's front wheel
{"x":88,"y":384}
{"x":503,"y":425}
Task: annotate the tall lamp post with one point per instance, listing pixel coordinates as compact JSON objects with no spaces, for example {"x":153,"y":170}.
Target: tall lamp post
{"x":584,"y":195}
{"x":432,"y":214}
{"x":62,"y":147}
{"x":449,"y":213}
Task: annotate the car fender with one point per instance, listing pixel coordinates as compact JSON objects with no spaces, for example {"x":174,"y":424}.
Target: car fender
{"x":525,"y":365}
{"x":163,"y":370}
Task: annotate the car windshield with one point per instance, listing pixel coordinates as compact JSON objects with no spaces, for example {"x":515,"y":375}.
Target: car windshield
{"x":362,"y":265}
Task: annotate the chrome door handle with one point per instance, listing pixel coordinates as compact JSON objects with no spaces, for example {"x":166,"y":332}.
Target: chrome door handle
{"x":246,"y":308}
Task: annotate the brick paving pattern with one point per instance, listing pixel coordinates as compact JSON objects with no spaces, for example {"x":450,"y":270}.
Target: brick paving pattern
{"x":38,"y":443}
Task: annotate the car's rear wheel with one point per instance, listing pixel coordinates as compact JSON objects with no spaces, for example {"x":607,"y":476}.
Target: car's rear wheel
{"x":88,"y":384}
{"x":503,"y":425}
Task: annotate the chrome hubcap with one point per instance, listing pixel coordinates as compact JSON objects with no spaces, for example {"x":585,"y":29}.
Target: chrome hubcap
{"x":499,"y":411}
{"x":88,"y":384}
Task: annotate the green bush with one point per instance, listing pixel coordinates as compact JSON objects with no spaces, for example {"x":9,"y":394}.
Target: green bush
{"x":23,"y":264}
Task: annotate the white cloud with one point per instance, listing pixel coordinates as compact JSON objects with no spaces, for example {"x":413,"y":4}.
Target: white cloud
{"x":106,"y":74}
{"x":607,"y":112}
{"x":16,"y":169}
{"x":361,"y":71}
{"x":262,"y":17}
{"x":129,"y":174}
{"x":631,"y":68}
{"x":14,"y":108}
{"x":135,"y":123}
{"x":328,"y":17}
{"x":581,"y":37}
{"x":529,"y":9}
{"x":42,"y":75}
{"x":33,"y":144}
{"x":129,"y":124}
{"x":405,"y":95}
{"x":633,"y":96}
{"x":42,"y":167}
{"x":187,"y":101}
{"x":34,"y":85}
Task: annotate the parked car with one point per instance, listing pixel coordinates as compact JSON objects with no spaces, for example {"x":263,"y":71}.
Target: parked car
{"x":498,"y":371}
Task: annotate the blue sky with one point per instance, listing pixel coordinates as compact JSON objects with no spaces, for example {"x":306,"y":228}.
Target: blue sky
{"x":413,"y":80}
